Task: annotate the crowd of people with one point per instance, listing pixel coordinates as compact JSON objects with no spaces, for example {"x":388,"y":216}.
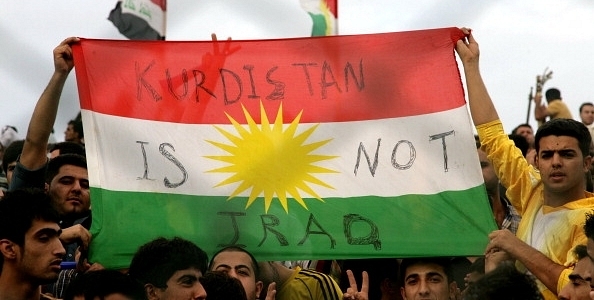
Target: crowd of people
{"x":539,"y":187}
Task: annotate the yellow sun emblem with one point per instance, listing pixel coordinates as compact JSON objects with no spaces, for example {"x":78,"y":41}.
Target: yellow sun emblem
{"x":271,"y":161}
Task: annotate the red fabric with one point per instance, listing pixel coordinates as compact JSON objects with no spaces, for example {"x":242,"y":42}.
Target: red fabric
{"x":161,"y":3}
{"x":333,"y":6}
{"x":404,"y":74}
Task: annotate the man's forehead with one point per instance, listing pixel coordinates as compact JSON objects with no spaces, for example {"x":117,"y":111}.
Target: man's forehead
{"x":422,"y":268}
{"x":582,"y":267}
{"x":187,"y":272}
{"x":72,"y":169}
{"x":558,"y":142}
{"x":233,"y":258}
{"x":42,"y":225}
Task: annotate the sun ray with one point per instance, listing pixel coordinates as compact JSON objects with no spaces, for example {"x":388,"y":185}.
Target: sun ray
{"x":242,"y":131}
{"x":228,"y":148}
{"x":313,"y":146}
{"x":253,"y":196}
{"x":306,"y":188}
{"x":297,"y":197}
{"x":282,"y":198}
{"x":242,"y":187}
{"x":232,"y":138}
{"x":226,"y":169}
{"x":315,"y":180}
{"x":229,"y":180}
{"x":272,"y":161}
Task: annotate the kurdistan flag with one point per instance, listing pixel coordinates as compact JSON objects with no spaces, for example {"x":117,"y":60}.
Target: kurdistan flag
{"x":308,"y":148}
{"x":323,"y":14}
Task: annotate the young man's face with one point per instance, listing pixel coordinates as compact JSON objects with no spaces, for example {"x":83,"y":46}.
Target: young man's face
{"x":182,"y":285}
{"x":70,"y":135}
{"x":579,"y":286}
{"x":561,"y":164}
{"x":9,"y":171}
{"x":427,"y":281}
{"x":69,"y":191}
{"x":239,"y":265}
{"x":489,"y":176}
{"x":41,"y":254}
{"x":587,"y":114}
{"x":527,"y":133}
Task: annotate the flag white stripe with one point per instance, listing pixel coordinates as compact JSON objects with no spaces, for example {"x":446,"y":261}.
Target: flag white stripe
{"x":114,"y":150}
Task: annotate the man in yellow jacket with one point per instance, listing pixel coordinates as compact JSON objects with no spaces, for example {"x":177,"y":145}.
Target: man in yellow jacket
{"x":551,"y":197}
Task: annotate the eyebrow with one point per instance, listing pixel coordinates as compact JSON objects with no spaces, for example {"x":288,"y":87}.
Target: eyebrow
{"x":561,"y":151}
{"x":575,"y":277}
{"x":229,"y":267}
{"x":428,"y":274}
{"x":187,"y":276}
{"x":48,"y":231}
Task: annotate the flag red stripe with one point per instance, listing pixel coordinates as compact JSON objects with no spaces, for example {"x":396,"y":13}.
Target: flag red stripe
{"x":161,"y":3}
{"x":338,"y":78}
{"x":333,"y":6}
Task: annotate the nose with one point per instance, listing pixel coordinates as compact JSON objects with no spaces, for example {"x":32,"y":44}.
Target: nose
{"x":76,"y":186}
{"x":556,"y":160}
{"x":232,"y":273}
{"x":423,"y":288}
{"x":564,"y":294}
{"x":60,"y":251}
{"x":199,"y":291}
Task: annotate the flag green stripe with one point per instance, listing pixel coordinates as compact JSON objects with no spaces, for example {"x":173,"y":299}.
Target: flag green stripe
{"x":319,"y":27}
{"x":451,"y":223}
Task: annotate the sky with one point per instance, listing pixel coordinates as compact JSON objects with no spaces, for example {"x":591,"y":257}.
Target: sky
{"x":518,"y":41}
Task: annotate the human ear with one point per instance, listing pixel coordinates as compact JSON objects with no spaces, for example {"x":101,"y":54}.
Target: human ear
{"x":259,"y":285}
{"x":7,"y":248}
{"x":402,"y":293}
{"x":454,"y":291}
{"x":587,"y":163}
{"x":151,"y":292}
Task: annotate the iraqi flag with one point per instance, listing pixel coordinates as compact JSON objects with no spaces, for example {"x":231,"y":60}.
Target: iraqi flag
{"x":308,"y":148}
{"x":140,"y":19}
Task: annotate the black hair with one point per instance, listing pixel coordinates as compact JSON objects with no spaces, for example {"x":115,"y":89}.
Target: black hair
{"x":18,"y":210}
{"x":444,"y":262}
{"x":11,"y":153}
{"x":68,"y":148}
{"x":102,"y":283}
{"x":584,"y":105}
{"x":580,"y":251}
{"x":54,"y":165}
{"x":220,"y":286}
{"x":515,"y":130}
{"x":552,"y":94}
{"x":77,"y":126}
{"x":156,"y":261}
{"x":505,"y":282}
{"x":478,"y":265}
{"x":520,"y":142}
{"x":238,"y":249}
{"x":565,"y":127}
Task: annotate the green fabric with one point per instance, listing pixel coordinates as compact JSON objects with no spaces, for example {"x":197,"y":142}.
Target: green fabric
{"x":319,"y":25}
{"x":452,"y":223}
